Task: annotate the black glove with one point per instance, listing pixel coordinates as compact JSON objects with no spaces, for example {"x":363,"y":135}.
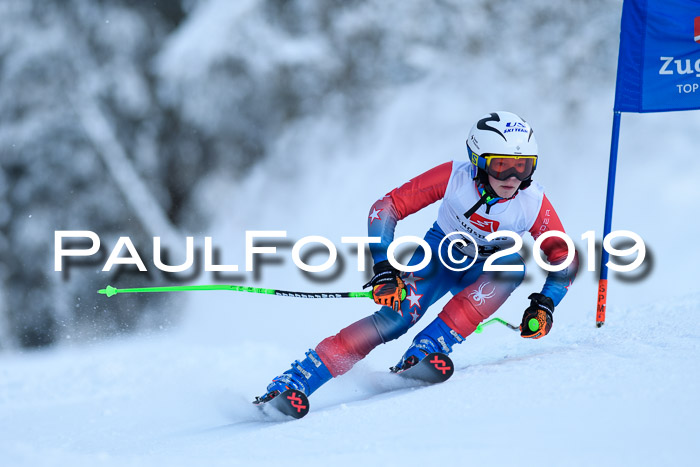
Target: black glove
{"x":387,"y":287}
{"x":537,"y":319}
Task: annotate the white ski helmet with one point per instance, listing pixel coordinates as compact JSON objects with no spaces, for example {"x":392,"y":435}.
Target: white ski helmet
{"x":502,"y":134}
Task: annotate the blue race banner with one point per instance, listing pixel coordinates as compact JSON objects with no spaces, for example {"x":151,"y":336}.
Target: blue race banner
{"x":658,"y":66}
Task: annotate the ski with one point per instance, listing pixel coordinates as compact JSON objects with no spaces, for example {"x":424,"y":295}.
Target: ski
{"x":434,"y":368}
{"x":291,"y":402}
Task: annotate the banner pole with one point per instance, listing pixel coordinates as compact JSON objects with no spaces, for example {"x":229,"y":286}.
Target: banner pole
{"x":605,"y":256}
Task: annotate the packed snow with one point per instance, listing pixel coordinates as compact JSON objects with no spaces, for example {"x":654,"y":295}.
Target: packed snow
{"x":626,"y":394}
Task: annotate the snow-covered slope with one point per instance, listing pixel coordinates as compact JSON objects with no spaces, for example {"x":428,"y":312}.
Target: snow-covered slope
{"x":626,"y":394}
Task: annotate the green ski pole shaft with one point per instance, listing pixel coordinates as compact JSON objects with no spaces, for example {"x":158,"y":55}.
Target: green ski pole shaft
{"x":480,"y":328}
{"x":109,"y":291}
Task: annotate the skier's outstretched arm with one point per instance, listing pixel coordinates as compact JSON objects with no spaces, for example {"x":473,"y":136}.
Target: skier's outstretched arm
{"x":557,"y":283}
{"x":399,"y":203}
{"x":556,"y":251}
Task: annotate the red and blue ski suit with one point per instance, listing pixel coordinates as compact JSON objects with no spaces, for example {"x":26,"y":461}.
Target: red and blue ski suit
{"x":477,"y":294}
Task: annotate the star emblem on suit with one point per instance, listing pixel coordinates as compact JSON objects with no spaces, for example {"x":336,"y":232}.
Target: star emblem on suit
{"x":411,"y":279}
{"x":414,"y":298}
{"x":374,"y":215}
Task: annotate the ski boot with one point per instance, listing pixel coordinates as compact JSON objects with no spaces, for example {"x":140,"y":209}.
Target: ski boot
{"x":305,"y":376}
{"x":437,"y":337}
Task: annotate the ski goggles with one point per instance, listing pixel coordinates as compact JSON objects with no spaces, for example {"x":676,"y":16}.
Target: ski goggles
{"x":502,"y":167}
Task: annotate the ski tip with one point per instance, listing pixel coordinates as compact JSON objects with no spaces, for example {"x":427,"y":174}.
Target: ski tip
{"x":441,"y":364}
{"x":291,"y":402}
{"x":433,"y":368}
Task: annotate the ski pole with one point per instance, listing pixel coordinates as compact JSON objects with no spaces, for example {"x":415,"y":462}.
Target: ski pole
{"x":480,"y":327}
{"x":109,"y":291}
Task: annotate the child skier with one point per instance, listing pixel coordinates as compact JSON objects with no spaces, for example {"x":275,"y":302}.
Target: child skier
{"x":492,"y":191}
